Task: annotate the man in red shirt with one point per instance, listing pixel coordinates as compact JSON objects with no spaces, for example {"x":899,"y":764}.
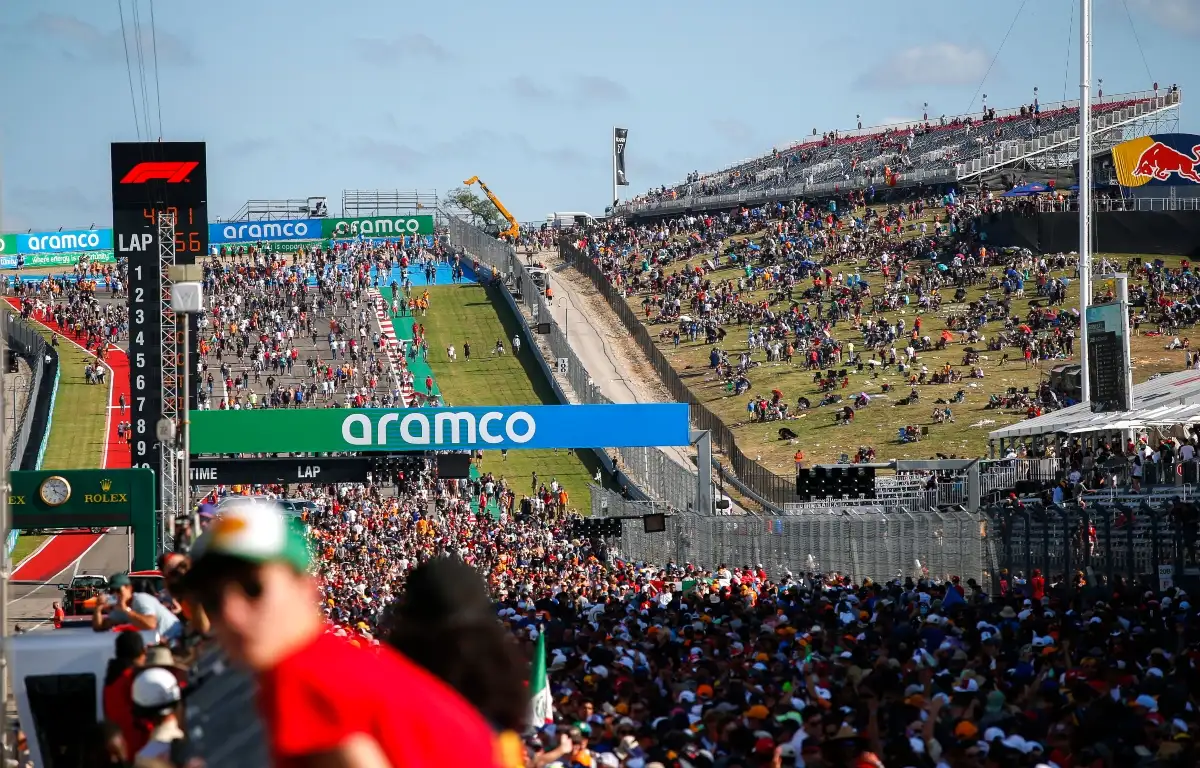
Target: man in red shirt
{"x":323,"y":700}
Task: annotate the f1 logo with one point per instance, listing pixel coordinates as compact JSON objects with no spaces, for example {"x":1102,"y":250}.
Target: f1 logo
{"x":170,"y":172}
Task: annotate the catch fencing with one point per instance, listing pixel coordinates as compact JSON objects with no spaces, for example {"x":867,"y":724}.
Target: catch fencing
{"x":860,"y":544}
{"x":29,"y":437}
{"x":1099,"y":539}
{"x":774,"y":489}
{"x":652,"y":470}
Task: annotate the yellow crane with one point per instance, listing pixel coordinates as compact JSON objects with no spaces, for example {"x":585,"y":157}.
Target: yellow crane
{"x":514,"y":229}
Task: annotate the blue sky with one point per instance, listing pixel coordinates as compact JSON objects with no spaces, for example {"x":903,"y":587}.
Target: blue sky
{"x":309,"y":98}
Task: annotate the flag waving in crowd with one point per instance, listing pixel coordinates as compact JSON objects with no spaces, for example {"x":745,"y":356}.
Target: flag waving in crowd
{"x":539,"y":687}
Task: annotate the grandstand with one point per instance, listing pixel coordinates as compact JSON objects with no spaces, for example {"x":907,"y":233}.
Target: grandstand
{"x":931,"y":151}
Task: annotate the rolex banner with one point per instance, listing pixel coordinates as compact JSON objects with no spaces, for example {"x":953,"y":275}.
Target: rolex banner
{"x":619,"y":137}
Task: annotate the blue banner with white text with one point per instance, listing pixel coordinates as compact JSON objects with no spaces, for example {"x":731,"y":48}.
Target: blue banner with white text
{"x":65,"y":242}
{"x":224,"y":232}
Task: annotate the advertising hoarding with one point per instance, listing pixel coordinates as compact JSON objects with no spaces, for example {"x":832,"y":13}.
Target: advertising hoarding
{"x":377,"y":226}
{"x":322,"y":430}
{"x":265,"y":231}
{"x":33,"y":260}
{"x":1163,"y":159}
{"x":72,"y":241}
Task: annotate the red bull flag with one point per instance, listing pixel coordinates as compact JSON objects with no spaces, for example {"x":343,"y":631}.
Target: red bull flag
{"x":1160,"y":160}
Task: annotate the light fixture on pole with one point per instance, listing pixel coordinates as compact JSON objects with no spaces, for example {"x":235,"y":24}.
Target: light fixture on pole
{"x":187,"y":298}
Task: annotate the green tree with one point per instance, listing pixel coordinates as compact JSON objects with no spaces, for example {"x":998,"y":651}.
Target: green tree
{"x":476,"y":209}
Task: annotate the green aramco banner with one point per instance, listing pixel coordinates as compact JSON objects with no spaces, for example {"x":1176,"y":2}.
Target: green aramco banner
{"x":340,"y":430}
{"x":377,"y":226}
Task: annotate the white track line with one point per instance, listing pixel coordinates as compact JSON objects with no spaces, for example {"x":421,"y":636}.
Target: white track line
{"x":78,"y":560}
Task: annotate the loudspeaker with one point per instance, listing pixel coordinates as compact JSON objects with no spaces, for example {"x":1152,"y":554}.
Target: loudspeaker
{"x":822,"y":482}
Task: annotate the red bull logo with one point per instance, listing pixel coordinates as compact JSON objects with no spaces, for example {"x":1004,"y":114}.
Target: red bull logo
{"x":1158,"y":161}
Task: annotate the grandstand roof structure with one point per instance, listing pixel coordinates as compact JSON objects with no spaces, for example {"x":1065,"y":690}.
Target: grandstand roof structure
{"x":1165,"y":401}
{"x":930,"y":151}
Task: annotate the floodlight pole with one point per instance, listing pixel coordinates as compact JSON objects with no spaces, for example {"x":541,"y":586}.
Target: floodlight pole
{"x":5,"y":559}
{"x":1085,"y":190}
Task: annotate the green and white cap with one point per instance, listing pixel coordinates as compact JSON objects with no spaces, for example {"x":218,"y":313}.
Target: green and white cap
{"x":254,"y":531}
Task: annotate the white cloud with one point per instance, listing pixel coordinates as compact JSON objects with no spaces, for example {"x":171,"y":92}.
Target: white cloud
{"x":939,"y":64}
{"x":1179,"y":16}
{"x":418,"y":46}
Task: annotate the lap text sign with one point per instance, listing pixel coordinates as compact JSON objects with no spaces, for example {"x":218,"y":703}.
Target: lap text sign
{"x":429,"y":429}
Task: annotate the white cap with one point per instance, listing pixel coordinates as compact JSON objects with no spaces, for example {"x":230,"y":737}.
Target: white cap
{"x":156,"y":688}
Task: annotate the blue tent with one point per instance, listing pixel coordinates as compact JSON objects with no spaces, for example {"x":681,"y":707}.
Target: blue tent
{"x":1028,"y":190}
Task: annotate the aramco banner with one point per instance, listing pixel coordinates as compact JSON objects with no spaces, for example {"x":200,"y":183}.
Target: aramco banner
{"x":263,"y":231}
{"x":1164,"y":159}
{"x":279,"y":430}
{"x":378,"y":226}
{"x":71,"y":241}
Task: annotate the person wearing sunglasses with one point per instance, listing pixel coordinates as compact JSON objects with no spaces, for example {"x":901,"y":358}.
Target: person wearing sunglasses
{"x":324,"y":700}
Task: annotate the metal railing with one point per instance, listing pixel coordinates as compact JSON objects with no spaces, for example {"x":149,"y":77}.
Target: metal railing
{"x":1070,"y":539}
{"x":652,"y":470}
{"x":24,"y":340}
{"x":1111,"y":113}
{"x":860,"y":544}
{"x":787,"y":191}
{"x":772,"y":488}
{"x":1122,"y":204}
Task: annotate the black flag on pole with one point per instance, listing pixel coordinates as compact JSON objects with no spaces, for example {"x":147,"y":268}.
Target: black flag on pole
{"x":619,"y":137}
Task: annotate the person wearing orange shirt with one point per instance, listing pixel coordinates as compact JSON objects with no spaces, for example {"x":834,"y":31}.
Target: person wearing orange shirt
{"x":323,"y":700}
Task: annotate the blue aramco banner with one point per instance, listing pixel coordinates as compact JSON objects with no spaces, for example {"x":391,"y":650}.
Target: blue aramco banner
{"x":254,"y":231}
{"x":280,"y":430}
{"x":65,"y":242}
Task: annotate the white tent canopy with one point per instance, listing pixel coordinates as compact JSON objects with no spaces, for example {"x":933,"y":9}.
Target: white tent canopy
{"x":1167,"y":401}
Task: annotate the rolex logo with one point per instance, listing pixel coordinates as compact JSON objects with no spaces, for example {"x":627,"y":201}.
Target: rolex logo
{"x":105,"y":485}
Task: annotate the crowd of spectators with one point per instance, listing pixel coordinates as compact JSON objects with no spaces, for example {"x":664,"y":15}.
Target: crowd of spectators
{"x":832,"y":287}
{"x":299,"y":330}
{"x":881,"y":157}
{"x":666,"y":664}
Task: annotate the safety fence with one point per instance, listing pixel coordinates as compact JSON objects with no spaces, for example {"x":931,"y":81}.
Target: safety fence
{"x":861,"y":544}
{"x":1097,"y":539}
{"x":28,"y":440}
{"x":775,"y":489}
{"x":650,"y":469}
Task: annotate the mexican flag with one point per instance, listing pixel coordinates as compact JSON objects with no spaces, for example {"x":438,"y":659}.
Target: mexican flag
{"x":539,"y":687}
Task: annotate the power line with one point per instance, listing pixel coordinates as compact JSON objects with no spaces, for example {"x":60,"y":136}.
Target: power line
{"x":1133,"y":29}
{"x":157,"y":90}
{"x":1070,"y":38}
{"x":137,"y":42}
{"x":129,"y":71}
{"x":997,"y":56}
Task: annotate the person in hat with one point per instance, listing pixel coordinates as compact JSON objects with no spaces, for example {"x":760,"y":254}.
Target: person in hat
{"x":320,"y":696}
{"x":156,"y":699}
{"x":135,"y":609}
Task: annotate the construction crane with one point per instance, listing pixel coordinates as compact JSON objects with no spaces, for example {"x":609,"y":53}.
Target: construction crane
{"x":514,"y":229}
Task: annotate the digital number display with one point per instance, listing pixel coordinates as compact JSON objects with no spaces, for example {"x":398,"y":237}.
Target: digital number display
{"x":189,"y":236}
{"x":148,"y":179}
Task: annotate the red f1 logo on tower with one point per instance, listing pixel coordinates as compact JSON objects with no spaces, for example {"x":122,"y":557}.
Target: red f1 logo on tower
{"x":170,"y":172}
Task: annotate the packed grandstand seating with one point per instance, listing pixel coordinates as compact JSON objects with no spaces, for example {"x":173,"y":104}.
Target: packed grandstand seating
{"x":886,"y":155}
